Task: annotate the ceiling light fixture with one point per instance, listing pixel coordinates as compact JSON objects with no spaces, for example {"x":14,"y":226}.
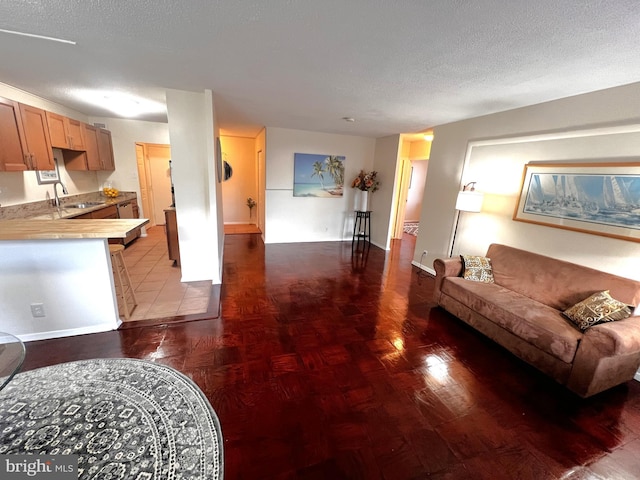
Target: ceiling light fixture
{"x":41,"y":37}
{"x":348,"y":119}
{"x":121,"y":103}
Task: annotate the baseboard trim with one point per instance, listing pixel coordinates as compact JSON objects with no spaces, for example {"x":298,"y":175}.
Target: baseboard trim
{"x":69,"y":332}
{"x":423,"y":267}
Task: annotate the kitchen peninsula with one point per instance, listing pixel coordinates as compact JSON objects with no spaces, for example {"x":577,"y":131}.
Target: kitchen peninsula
{"x":63,"y":267}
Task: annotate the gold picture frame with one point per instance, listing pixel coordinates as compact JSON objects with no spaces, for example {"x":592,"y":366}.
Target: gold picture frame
{"x":596,"y":198}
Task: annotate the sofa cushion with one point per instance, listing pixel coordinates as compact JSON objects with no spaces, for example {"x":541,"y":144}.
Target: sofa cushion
{"x":540,"y":325}
{"x":554,"y":282}
{"x":598,"y":308}
{"x":477,"y":269}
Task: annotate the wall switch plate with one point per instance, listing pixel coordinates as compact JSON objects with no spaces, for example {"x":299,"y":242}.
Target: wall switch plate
{"x":37,"y":310}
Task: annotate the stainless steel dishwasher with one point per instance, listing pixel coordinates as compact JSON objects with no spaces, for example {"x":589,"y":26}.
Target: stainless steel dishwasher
{"x":125,"y":210}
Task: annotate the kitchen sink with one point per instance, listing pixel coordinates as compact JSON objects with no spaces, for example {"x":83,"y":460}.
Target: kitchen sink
{"x":84,"y":205}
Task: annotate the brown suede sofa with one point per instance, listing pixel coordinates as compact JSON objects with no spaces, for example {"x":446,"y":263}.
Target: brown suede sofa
{"x":522,"y":311}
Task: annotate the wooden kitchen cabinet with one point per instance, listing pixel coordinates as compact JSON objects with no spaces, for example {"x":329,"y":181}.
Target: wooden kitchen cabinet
{"x":105,"y":149}
{"x":108,"y":212}
{"x":12,"y":155}
{"x":36,"y":138}
{"x":65,"y":132}
{"x":98,"y":154}
{"x":91,"y":142}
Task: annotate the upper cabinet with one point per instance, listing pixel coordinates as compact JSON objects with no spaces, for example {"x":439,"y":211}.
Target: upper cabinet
{"x":94,"y":161}
{"x":65,"y":132}
{"x":98,"y":154}
{"x":36,"y":138}
{"x":28,"y":134}
{"x":105,"y":147}
{"x":12,"y":156}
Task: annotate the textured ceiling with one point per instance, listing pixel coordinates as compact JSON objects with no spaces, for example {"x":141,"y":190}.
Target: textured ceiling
{"x":394,"y":65}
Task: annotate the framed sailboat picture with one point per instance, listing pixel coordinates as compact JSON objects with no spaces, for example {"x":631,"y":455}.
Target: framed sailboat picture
{"x":597,"y":198}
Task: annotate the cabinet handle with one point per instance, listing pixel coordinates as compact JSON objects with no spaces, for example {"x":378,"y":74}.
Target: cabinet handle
{"x":33,"y":162}
{"x":27,"y":161}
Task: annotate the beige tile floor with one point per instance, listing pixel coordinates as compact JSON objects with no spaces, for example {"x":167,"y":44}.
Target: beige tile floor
{"x":157,"y":283}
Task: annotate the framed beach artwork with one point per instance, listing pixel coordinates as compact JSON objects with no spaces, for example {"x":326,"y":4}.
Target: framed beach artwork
{"x":319,"y":176}
{"x":597,"y":198}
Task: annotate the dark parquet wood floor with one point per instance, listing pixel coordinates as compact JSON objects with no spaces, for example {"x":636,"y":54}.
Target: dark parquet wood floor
{"x":327,"y":366}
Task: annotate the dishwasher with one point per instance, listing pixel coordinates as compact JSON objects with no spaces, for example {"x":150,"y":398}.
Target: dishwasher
{"x":125,"y":210}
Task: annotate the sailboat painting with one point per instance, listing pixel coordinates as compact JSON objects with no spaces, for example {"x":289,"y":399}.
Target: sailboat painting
{"x":598,"y":198}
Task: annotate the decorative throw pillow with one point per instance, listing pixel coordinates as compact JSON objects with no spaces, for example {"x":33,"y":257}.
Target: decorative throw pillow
{"x":477,"y":269}
{"x":598,"y":308}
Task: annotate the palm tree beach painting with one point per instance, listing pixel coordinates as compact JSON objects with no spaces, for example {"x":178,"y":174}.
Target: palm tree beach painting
{"x":318,"y":175}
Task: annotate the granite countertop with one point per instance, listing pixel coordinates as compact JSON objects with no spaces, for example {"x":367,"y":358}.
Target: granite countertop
{"x":34,"y":229}
{"x":44,"y":211}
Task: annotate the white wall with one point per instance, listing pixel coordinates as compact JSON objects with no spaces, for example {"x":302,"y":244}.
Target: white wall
{"x":381,"y":202}
{"x":308,"y":219}
{"x":72,"y":278}
{"x":240,"y":153}
{"x":192,"y":130}
{"x":495,"y":159}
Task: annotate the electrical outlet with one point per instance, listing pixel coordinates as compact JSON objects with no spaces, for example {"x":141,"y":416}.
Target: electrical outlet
{"x":37,"y":310}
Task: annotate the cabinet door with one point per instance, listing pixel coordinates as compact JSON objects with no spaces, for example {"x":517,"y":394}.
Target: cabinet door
{"x":75,"y":132}
{"x":108,"y":212}
{"x":65,"y":132}
{"x":106,"y":149}
{"x":12,"y":154}
{"x":57,"y":131}
{"x":36,"y":137}
{"x":91,"y":145}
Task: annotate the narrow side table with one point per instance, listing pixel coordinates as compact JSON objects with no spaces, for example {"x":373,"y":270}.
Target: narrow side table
{"x":361,"y":228}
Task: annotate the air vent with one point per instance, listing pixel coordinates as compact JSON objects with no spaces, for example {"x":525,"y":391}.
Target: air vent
{"x":100,"y":125}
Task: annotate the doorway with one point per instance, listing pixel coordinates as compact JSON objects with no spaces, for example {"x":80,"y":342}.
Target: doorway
{"x":154,"y":172}
{"x":411,"y":175}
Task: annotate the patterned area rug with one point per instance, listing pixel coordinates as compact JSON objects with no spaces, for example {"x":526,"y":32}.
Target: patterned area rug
{"x":124,"y":418}
{"x":411,"y":228}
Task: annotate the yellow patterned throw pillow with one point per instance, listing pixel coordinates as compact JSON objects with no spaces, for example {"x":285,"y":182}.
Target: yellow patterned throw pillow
{"x":598,"y":308}
{"x":477,"y":269}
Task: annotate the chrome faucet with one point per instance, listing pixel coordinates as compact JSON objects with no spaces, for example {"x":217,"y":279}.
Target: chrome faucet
{"x":56,"y":200}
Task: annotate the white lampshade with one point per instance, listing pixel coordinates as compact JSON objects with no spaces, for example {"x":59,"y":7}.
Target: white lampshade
{"x":469,"y":201}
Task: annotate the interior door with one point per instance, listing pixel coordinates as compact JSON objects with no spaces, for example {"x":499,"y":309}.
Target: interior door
{"x":158,"y":157}
{"x":145,"y":202}
{"x":405,"y":173}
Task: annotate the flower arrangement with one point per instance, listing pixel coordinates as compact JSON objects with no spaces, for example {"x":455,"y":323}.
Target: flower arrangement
{"x":251,"y":203}
{"x":366,"y":181}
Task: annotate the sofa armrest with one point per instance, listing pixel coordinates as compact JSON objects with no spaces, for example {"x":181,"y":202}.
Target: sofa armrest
{"x":445,"y":267}
{"x":608,"y":355}
{"x":616,"y":338}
